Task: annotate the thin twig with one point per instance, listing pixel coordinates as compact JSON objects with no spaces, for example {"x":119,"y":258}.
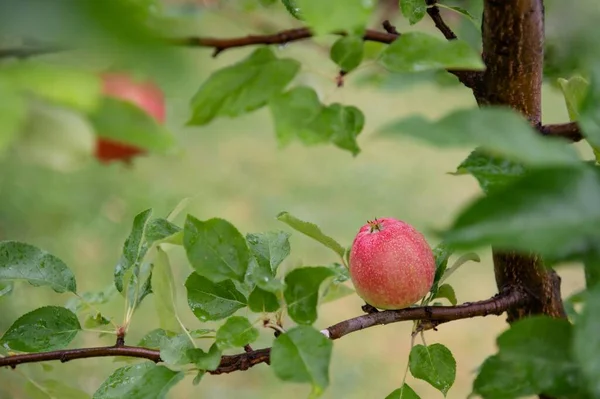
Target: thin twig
{"x":436,"y":16}
{"x":282,"y":37}
{"x":243,"y":361}
{"x":569,"y":131}
{"x":389,"y":28}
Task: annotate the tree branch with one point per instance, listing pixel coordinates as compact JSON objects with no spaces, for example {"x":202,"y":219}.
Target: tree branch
{"x":495,"y":305}
{"x":434,"y":315}
{"x":64,"y":355}
{"x":467,"y":78}
{"x":569,"y":131}
{"x":282,"y":37}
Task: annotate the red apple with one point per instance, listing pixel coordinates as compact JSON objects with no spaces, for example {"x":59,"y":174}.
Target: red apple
{"x":391,"y":264}
{"x":146,"y":95}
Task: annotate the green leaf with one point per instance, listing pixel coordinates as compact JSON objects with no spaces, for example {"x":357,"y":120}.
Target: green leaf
{"x":574,"y":90}
{"x":342,"y":124}
{"x":298,"y":113}
{"x":140,"y":381}
{"x":406,"y":392}
{"x":586,"y":341}
{"x":205,"y":360}
{"x":413,"y":10}
{"x":215,"y":249}
{"x":53,"y":389}
{"x":326,"y":16}
{"x":95,"y":320}
{"x":589,"y":113}
{"x":198,"y":377}
{"x":236,"y":332}
{"x":122,"y":121}
{"x":138,"y":284}
{"x":482,"y":127}
{"x":134,"y":248}
{"x":544,"y":345}
{"x":347,"y":52}
{"x":446,"y":291}
{"x":302,"y":292}
{"x":261,"y":301}
{"x":13,"y":113}
{"x":537,"y":350}
{"x":336,"y":289}
{"x":434,"y":364}
{"x":160,"y":230}
{"x":270,"y":248}
{"x":163,"y":287}
{"x":84,"y":301}
{"x":341,"y":272}
{"x":292,"y":8}
{"x":262,"y":276}
{"x":571,"y":301}
{"x":201,"y":332}
{"x":591,"y":265}
{"x":311,"y":230}
{"x":416,"y":51}
{"x":20,"y":261}
{"x":503,"y":379}
{"x":302,"y":355}
{"x":213,"y":301}
{"x":154,"y":338}
{"x":46,"y":328}
{"x":294,"y":113}
{"x":442,"y":254}
{"x":492,"y":172}
{"x":242,"y":87}
{"x":72,"y":87}
{"x":550,"y":211}
{"x":460,"y":11}
{"x":173,"y":350}
{"x":472,"y":257}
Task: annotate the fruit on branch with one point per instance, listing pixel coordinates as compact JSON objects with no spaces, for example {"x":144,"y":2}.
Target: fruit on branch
{"x":391,"y":264}
{"x":144,"y":94}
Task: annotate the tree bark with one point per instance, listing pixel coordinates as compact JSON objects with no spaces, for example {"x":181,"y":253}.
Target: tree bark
{"x":513,"y":52}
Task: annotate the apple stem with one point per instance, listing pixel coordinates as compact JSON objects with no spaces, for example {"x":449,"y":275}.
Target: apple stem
{"x":369,"y":308}
{"x":374,"y":224}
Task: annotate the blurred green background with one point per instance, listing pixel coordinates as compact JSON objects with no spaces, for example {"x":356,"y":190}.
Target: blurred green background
{"x":234,"y":169}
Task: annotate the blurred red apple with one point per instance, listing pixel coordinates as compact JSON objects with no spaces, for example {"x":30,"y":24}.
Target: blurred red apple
{"x":144,"y":94}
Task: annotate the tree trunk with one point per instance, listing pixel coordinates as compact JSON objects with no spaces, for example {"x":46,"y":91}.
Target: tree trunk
{"x":513,"y":51}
